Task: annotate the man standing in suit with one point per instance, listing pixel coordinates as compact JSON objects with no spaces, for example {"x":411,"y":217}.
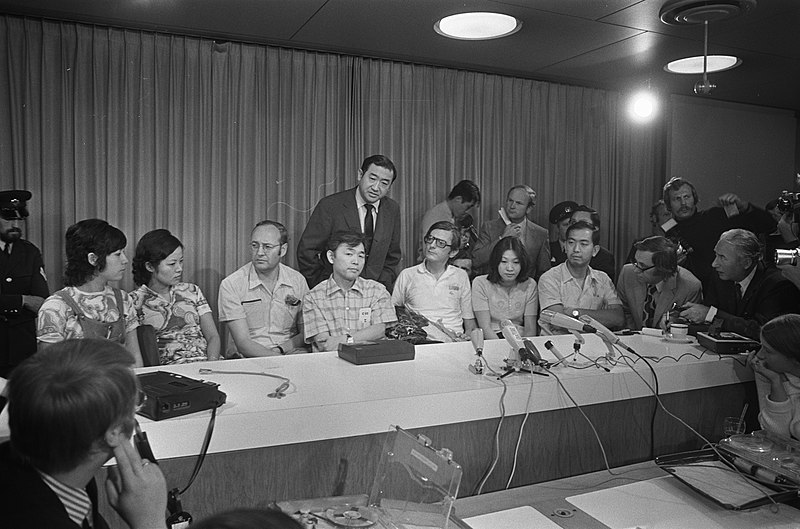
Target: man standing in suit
{"x":23,"y":285}
{"x":519,"y":201}
{"x":365,"y":209}
{"x":744,"y":295}
{"x":653,"y":284}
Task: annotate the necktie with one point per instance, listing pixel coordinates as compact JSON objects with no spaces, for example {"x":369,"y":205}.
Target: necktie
{"x":369,"y":227}
{"x":650,"y":305}
{"x":738,"y":297}
{"x":7,"y":249}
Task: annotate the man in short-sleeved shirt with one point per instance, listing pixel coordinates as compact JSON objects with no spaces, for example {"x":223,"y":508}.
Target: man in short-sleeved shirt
{"x":435,"y":289}
{"x":346,"y":308}
{"x":261,"y":301}
{"x":574,"y":288}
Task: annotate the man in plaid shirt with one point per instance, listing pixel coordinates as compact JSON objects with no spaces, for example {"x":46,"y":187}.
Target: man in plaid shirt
{"x":346,"y":308}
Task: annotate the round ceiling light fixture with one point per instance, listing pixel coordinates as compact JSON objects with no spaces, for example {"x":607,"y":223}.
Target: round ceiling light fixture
{"x":477,"y":26}
{"x":695,"y":12}
{"x":694,"y":65}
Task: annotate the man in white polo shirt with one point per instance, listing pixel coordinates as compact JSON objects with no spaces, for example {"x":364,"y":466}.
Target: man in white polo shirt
{"x":435,"y":289}
{"x":261,"y":301}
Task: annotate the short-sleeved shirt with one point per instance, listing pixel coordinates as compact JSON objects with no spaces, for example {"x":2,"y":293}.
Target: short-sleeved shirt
{"x":57,"y":322}
{"x":448,"y":298}
{"x":329,"y":308}
{"x":513,"y":304}
{"x":272,"y":317}
{"x":176,"y":321}
{"x":557,"y":286}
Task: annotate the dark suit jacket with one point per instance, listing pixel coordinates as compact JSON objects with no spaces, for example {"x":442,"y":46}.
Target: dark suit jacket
{"x":680,"y":288}
{"x":20,"y":273}
{"x":26,"y":501}
{"x":603,"y":261}
{"x":340,"y":212}
{"x":768,"y":295}
{"x":535,"y":243}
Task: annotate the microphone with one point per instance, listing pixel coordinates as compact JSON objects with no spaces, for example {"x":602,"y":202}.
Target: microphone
{"x":550,"y":346}
{"x":512,"y":336}
{"x":604,"y":332}
{"x":476,"y":337}
{"x":532,"y":352}
{"x":562,"y":320}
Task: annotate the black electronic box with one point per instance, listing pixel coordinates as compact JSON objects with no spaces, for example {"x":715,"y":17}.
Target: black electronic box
{"x":172,"y":395}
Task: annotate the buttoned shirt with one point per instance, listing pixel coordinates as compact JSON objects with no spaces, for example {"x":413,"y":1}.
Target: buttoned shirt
{"x":272,"y":317}
{"x":362,"y":210}
{"x":502,"y":303}
{"x":558,"y":287}
{"x":329,"y":308}
{"x":448,"y":298}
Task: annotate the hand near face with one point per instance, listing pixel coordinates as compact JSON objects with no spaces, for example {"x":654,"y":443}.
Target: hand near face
{"x":731,"y":198}
{"x":513,"y":230}
{"x":760,"y":367}
{"x":136,"y":489}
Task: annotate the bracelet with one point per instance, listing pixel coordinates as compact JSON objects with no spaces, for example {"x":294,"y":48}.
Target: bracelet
{"x":281,"y":350}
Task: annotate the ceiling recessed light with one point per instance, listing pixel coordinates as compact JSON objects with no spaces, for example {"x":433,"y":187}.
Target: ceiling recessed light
{"x":477,"y":26}
{"x":694,"y":65}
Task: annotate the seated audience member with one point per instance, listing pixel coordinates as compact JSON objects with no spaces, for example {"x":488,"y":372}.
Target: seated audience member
{"x":574,"y":288}
{"x":248,"y":519}
{"x":567,"y":213}
{"x":70,"y":409}
{"x":364,"y":208}
{"x":178,"y":311}
{"x":698,"y":231}
{"x":653,"y":284}
{"x":88,"y":307}
{"x":346,"y":308}
{"x":437,"y":290}
{"x":506,"y":293}
{"x":777,"y":369}
{"x":534,"y":238}
{"x":260,"y":302}
{"x":745,"y":294}
{"x":604,"y":260}
{"x":464,"y":196}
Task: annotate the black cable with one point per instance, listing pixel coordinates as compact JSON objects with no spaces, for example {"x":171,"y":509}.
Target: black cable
{"x":203,"y":450}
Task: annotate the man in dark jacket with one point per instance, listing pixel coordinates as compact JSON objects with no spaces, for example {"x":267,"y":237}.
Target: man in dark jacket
{"x":23,"y":285}
{"x":70,"y":409}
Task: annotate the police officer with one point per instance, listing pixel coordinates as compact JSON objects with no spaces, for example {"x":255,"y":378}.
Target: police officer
{"x":23,"y":285}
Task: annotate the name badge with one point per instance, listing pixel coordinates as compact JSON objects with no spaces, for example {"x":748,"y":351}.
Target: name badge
{"x":365,"y":315}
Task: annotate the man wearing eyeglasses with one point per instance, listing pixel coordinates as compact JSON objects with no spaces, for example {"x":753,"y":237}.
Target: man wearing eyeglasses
{"x":261,"y":302}
{"x":653,"y":284}
{"x":439,"y":291}
{"x":23,"y":285}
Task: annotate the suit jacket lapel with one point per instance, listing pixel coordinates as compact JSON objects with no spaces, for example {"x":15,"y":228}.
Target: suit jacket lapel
{"x":351,"y":212}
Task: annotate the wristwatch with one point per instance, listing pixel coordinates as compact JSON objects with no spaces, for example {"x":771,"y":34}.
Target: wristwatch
{"x":349,"y":338}
{"x":576,"y":314}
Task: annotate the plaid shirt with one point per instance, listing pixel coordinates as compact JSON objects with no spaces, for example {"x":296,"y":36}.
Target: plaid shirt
{"x":328,"y":308}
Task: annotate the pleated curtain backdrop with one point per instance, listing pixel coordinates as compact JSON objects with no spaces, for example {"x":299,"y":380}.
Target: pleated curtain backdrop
{"x":149,"y":130}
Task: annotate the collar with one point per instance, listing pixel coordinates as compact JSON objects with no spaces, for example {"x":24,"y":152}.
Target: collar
{"x":333,"y":287}
{"x":156,"y":294}
{"x":76,"y":501}
{"x":360,"y":202}
{"x":253,"y":281}
{"x":422,"y":268}
{"x":566,"y":276}
{"x":3,"y":245}
{"x":747,"y":280}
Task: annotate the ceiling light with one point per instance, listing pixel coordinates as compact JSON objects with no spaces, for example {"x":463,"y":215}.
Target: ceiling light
{"x":694,"y":65}
{"x":642,"y":106}
{"x":477,"y":26}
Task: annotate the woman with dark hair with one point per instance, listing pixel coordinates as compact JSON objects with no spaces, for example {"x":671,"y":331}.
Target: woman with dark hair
{"x":777,"y":368}
{"x":88,"y":307}
{"x":178,"y":311}
{"x":506,"y":292}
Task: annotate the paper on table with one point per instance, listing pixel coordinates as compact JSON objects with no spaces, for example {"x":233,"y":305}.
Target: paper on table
{"x":519,"y":518}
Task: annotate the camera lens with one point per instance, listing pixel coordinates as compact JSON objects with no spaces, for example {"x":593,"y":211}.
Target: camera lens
{"x":786,"y":257}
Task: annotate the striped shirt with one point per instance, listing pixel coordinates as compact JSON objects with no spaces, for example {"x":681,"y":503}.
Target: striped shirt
{"x":76,"y":501}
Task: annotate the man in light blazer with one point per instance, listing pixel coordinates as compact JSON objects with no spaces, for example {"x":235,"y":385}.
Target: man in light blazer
{"x":365,"y":209}
{"x":654,"y":284}
{"x":534,"y":238}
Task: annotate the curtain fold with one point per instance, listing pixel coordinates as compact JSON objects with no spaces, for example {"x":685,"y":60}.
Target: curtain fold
{"x":206,"y":138}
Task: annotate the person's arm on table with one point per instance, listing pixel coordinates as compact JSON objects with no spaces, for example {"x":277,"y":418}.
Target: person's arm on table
{"x":209,"y":330}
{"x":246,"y":345}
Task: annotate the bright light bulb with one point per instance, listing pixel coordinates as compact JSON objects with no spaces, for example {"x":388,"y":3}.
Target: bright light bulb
{"x":642,"y":106}
{"x":477,"y":26}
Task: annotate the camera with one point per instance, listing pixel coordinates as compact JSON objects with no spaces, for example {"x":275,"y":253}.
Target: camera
{"x":787,"y":257}
{"x":789,"y":202}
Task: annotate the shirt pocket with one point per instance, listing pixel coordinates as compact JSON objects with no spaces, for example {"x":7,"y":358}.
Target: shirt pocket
{"x":254,"y":312}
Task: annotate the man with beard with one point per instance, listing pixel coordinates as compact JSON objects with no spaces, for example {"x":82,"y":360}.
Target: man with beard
{"x":698,"y":231}
{"x":23,"y":285}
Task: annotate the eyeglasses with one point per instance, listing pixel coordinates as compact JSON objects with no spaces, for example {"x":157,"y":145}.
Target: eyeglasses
{"x":641,"y":268}
{"x":436,"y":241}
{"x":255,"y":246}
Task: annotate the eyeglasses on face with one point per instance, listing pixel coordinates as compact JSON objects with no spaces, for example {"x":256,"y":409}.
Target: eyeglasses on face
{"x":436,"y":241}
{"x":255,"y":246}
{"x":640,"y":267}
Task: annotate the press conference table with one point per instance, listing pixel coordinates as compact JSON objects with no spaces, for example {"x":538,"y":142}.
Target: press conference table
{"x":324,"y":438}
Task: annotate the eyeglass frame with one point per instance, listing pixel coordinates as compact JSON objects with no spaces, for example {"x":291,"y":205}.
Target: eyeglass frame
{"x":436,"y":241}
{"x":635,"y":264}
{"x":255,"y":246}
